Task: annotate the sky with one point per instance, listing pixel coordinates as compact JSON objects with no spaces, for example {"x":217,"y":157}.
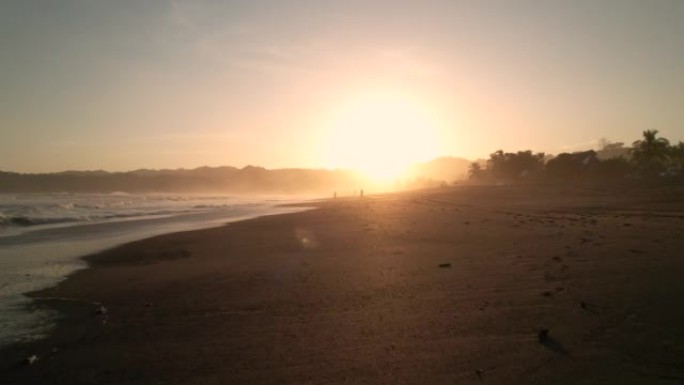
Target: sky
{"x":123,"y":85}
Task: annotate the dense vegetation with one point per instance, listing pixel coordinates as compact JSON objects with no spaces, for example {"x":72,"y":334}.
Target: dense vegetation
{"x":650,"y":157}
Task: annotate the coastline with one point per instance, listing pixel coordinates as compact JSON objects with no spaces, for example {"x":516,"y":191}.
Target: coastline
{"x":421,"y":287}
{"x":41,"y":257}
{"x":78,"y":318}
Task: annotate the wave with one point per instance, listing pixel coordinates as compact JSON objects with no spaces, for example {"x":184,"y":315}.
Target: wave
{"x":211,"y":206}
{"x":30,"y":221}
{"x":25,"y":221}
{"x":28,"y":212}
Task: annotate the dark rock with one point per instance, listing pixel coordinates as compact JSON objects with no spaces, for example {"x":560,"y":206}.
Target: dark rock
{"x":543,"y":335}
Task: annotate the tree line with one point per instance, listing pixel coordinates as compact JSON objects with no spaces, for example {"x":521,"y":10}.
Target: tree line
{"x":649,"y":157}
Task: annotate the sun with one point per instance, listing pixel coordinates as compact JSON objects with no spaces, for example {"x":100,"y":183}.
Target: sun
{"x":380,"y":135}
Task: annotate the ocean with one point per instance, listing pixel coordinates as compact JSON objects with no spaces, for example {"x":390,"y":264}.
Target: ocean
{"x":44,"y":236}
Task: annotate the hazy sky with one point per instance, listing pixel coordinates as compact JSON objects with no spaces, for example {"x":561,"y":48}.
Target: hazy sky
{"x":121,"y":85}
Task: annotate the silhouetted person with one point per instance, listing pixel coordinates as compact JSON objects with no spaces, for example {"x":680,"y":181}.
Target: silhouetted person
{"x":361,"y":193}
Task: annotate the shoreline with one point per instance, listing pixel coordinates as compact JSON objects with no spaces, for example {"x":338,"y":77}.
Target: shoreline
{"x":64,"y":310}
{"x":419,"y":287}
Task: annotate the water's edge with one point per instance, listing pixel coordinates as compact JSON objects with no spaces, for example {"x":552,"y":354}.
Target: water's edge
{"x":60,"y":320}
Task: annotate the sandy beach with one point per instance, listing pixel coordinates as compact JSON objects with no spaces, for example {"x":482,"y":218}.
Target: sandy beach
{"x":538,"y":284}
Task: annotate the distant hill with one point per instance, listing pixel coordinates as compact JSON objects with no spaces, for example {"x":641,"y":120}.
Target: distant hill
{"x":249,"y":179}
{"x":226,"y":179}
{"x":447,"y":169}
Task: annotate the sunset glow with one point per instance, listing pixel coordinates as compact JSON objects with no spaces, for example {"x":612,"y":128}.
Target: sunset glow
{"x":327,"y":84}
{"x":281,"y":191}
{"x":380,"y":135}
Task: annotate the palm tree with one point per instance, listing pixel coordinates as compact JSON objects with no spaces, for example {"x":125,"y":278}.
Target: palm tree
{"x":650,"y":154}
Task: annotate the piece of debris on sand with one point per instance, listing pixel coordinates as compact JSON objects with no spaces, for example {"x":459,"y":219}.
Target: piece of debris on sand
{"x":543,"y":335}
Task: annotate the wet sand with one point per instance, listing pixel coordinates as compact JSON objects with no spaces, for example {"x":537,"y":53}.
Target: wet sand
{"x":446,"y":286}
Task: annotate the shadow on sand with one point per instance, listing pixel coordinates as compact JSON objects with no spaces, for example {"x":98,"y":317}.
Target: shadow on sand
{"x":554,"y":346}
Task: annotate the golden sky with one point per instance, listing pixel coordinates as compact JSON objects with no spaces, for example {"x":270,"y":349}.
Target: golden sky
{"x":121,"y":85}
